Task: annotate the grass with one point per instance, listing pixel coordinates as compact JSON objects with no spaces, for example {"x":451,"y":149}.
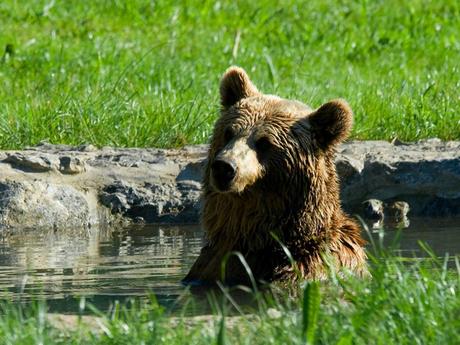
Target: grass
{"x":145,"y":73}
{"x":416,"y":302}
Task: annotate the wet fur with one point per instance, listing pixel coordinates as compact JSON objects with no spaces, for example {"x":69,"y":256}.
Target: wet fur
{"x":292,"y":192}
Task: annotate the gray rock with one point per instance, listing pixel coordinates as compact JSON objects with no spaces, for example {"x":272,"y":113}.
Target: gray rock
{"x":38,"y":204}
{"x":63,"y":186}
{"x":425,"y":174}
{"x":154,"y":203}
{"x":31,"y":163}
{"x":71,"y":165}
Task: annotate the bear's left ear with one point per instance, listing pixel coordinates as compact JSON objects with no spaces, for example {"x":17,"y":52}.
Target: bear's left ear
{"x":234,"y":86}
{"x":331,"y":122}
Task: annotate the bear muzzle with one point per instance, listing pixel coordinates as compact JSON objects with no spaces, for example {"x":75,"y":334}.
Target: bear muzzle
{"x":223,"y":173}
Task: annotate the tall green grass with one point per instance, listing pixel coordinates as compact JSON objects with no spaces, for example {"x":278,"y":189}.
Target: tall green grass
{"x":145,"y":73}
{"x":406,"y":302}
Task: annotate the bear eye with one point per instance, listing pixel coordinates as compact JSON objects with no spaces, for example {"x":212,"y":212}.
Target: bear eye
{"x":229,"y":133}
{"x":263,"y":144}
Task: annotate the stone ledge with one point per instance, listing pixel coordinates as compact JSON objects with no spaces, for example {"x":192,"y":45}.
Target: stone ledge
{"x":63,"y":186}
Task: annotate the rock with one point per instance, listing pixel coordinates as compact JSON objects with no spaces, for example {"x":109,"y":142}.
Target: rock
{"x":392,"y":214}
{"x":71,"y":165}
{"x":398,"y":223}
{"x":139,"y":220}
{"x":273,"y":313}
{"x":31,"y":163}
{"x":87,"y":148}
{"x":154,"y":203}
{"x":61,"y":186}
{"x":37,"y":204}
{"x":425,"y":174}
{"x":373,"y":209}
{"x":397,"y":210}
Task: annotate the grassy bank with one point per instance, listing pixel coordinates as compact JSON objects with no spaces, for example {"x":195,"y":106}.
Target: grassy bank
{"x":143,"y":73}
{"x":414,"y":302}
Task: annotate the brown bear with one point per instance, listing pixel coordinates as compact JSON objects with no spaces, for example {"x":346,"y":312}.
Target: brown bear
{"x":270,"y":179}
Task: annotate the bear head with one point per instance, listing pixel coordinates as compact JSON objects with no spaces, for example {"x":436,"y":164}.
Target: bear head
{"x":263,"y":142}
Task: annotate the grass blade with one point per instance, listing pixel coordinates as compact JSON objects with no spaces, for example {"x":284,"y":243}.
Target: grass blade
{"x":221,"y":337}
{"x":310,"y":311}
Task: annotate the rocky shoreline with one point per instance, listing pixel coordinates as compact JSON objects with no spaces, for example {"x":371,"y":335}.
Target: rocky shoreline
{"x":62,"y":187}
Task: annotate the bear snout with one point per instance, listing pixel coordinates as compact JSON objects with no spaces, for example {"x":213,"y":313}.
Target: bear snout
{"x":223,"y":173}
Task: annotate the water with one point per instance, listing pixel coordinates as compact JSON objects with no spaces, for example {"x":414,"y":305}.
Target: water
{"x":104,"y":266}
{"x":100,"y":265}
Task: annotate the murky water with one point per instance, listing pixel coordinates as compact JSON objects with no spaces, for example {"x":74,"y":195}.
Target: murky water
{"x":105,"y":266}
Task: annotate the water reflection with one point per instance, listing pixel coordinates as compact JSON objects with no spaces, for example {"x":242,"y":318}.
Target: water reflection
{"x":105,"y":265}
{"x":442,"y":235}
{"x":101,"y":265}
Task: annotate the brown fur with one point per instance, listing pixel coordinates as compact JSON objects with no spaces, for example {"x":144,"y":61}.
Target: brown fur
{"x":285,"y":186}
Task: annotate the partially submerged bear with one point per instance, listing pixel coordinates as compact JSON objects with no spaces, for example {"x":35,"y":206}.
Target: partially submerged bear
{"x":270,"y":179}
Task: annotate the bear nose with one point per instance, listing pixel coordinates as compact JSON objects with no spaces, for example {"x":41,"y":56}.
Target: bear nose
{"x":223,"y":172}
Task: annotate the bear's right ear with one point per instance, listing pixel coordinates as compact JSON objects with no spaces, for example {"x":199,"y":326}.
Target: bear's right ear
{"x":234,"y":86}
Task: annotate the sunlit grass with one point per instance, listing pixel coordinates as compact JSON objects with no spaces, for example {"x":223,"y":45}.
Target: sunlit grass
{"x":143,"y":73}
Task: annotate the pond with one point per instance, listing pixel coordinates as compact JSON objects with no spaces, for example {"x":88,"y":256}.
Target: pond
{"x":104,"y":265}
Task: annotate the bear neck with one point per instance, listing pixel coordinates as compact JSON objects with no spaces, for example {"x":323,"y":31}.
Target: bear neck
{"x":319,"y":207}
